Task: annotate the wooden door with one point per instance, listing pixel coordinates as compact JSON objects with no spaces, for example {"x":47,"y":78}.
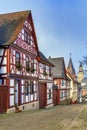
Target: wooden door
{"x":42,"y":95}
{"x":3,"y":99}
{"x":55,"y":97}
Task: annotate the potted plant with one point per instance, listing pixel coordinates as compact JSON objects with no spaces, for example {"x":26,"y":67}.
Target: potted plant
{"x":32,"y":69}
{"x":45,"y":73}
{"x":28,"y":69}
{"x":19,"y":67}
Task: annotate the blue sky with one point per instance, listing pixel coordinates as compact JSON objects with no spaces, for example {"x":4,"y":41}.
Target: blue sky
{"x":60,"y":25}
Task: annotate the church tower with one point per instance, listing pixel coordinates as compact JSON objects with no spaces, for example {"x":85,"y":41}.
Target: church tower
{"x":70,"y":67}
{"x":80,"y":73}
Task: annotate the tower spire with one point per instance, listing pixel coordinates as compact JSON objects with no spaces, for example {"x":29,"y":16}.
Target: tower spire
{"x":70,"y":66}
{"x":70,"y":54}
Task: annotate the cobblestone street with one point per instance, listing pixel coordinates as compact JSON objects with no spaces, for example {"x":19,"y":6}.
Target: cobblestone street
{"x":55,"y":118}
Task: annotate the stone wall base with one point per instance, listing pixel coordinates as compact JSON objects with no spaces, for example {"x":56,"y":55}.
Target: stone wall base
{"x":50,"y":105}
{"x":25,"y":107}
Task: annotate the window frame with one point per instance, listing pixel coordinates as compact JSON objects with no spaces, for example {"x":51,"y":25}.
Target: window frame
{"x":17,"y":59}
{"x":50,"y":71}
{"x":31,"y":87}
{"x":27,"y":62}
{"x":26,"y":88}
{"x":26,"y":37}
{"x":44,"y":69}
{"x":32,"y":63}
{"x":50,"y":96}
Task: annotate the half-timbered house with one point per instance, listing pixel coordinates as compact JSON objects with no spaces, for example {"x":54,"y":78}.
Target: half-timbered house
{"x":45,"y":82}
{"x":61,"y":88}
{"x":18,"y":62}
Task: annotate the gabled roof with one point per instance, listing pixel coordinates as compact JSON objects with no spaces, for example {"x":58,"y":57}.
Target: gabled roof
{"x":44,"y":60}
{"x":10,"y":26}
{"x":59,"y":69}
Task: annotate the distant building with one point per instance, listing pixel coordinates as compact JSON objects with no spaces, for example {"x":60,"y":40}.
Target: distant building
{"x":73,"y":83}
{"x":61,"y":88}
{"x":45,"y":82}
{"x":83,"y":81}
{"x":80,"y":73}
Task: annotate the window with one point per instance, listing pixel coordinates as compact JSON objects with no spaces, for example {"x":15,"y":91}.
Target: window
{"x":32,"y":63}
{"x":49,"y":93}
{"x":31,"y":87}
{"x":61,"y":94}
{"x":44,"y":70}
{"x":0,"y":81}
{"x":26,"y":37}
{"x":32,"y":41}
{"x":18,"y":60}
{"x":63,"y":82}
{"x":68,"y":83}
{"x":3,"y":81}
{"x":32,"y":66}
{"x":26,"y":88}
{"x":27,"y":63}
{"x":50,"y":74}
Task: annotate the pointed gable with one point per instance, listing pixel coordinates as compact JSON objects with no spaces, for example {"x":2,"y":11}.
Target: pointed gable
{"x":11,"y":25}
{"x":70,"y":67}
{"x":71,"y":71}
{"x":59,"y":69}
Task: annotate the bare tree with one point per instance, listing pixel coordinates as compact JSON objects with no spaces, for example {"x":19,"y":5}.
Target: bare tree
{"x":84,"y":63}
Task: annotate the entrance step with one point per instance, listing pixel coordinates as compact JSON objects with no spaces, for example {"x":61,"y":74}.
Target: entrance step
{"x":17,"y":110}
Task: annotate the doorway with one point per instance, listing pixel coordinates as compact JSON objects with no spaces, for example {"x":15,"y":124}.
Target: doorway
{"x":3,"y":98}
{"x":17,"y":94}
{"x":42,"y":95}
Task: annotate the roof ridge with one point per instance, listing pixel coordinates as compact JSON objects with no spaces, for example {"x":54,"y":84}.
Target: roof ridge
{"x":15,"y":12}
{"x":57,"y":58}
